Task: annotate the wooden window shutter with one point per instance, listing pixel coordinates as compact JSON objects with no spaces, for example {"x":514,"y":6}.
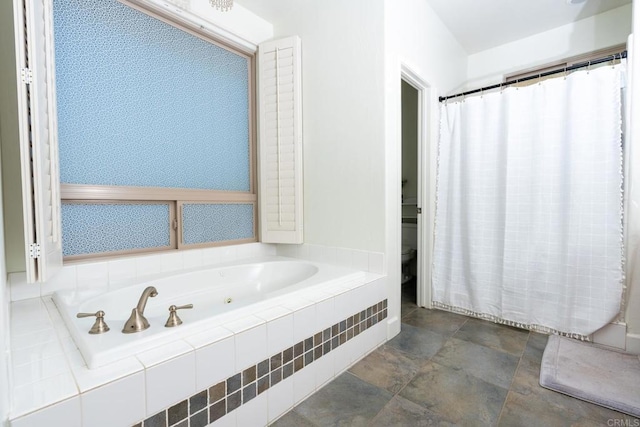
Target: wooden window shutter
{"x":280,"y":141}
{"x":38,"y":138}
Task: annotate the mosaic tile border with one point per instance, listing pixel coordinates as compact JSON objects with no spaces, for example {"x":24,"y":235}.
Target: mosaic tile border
{"x":211,"y":404}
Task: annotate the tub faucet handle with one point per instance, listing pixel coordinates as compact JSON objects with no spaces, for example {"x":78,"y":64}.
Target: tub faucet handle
{"x":173,"y":319}
{"x":99,"y":327}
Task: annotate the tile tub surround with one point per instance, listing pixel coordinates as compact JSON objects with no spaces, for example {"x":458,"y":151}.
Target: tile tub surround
{"x":212,"y":403}
{"x":109,"y":274}
{"x":67,"y":393}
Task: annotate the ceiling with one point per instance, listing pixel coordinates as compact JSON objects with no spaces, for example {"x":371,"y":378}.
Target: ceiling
{"x":482,"y":24}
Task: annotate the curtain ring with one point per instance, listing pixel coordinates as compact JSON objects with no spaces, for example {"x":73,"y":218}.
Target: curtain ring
{"x":565,"y":72}
{"x":588,"y":67}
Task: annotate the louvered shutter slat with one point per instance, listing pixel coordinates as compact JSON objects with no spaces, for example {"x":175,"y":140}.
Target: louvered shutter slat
{"x":280,"y":141}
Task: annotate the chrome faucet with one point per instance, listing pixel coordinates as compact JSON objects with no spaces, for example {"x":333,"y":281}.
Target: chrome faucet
{"x":137,"y":322}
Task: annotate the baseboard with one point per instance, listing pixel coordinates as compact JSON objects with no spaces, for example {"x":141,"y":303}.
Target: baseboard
{"x":633,"y":343}
{"x":393,"y":327}
{"x":612,"y":335}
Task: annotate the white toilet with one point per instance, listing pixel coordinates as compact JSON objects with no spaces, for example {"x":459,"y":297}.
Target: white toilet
{"x":407,"y":255}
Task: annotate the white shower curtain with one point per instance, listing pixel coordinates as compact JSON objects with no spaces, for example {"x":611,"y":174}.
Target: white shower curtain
{"x":529,"y":204}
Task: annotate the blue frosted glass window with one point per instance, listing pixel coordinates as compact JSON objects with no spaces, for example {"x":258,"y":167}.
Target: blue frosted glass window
{"x":206,"y":223}
{"x":142,"y":103}
{"x":97,"y":228}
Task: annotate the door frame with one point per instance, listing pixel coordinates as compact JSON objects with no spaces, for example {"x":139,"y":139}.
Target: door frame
{"x":426,"y":198}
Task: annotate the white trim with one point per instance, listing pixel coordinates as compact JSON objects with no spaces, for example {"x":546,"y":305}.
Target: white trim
{"x":612,"y":335}
{"x":633,"y":343}
{"x":425,"y":220}
{"x":192,"y":21}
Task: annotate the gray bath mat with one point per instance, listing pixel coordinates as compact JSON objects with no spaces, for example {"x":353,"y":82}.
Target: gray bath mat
{"x":605,"y":377}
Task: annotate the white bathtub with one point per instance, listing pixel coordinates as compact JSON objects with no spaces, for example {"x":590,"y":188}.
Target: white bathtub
{"x":218,"y":295}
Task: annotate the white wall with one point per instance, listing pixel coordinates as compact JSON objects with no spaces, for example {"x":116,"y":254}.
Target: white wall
{"x":416,"y":39}
{"x":343,"y":118}
{"x":8,"y":134}
{"x":597,"y":32}
{"x":4,"y":335}
{"x":11,"y":175}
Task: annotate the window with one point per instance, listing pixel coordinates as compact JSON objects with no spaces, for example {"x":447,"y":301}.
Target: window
{"x":155,"y":133}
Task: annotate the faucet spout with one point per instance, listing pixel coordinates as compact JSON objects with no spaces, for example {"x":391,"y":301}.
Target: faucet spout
{"x":142,"y":302}
{"x":137,"y":322}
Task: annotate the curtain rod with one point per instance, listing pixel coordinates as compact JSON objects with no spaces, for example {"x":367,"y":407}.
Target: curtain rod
{"x":620,"y":55}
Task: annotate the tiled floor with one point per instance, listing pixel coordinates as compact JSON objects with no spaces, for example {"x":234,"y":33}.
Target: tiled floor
{"x":445,"y":369}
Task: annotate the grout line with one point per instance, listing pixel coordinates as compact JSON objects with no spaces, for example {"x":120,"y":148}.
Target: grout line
{"x":513,"y":378}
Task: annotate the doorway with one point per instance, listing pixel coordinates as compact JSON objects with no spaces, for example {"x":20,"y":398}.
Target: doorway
{"x":416,"y":190}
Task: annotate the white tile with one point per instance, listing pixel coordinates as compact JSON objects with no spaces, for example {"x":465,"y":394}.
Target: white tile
{"x":376,"y":262}
{"x":20,"y":340}
{"x":75,"y":360}
{"x":316,"y":253}
{"x":219,"y":255}
{"x":280,"y":398}
{"x":208,"y":337}
{"x":324,"y":369}
{"x":65,"y":279}
{"x":254,"y":412}
{"x":93,"y":275}
{"x":147,"y":265}
{"x":170,"y":382}
{"x":29,"y":315}
{"x":163,"y":353}
{"x":344,"y":305}
{"x":304,"y":323}
{"x":121,"y":269}
{"x":325,"y":315}
{"x":344,"y":257}
{"x":172,"y":262}
{"x":88,"y":379}
{"x":296,"y":303}
{"x":228,"y":420}
{"x":341,"y":358}
{"x":52,"y":310}
{"x":120,"y":403}
{"x":317,"y":295}
{"x":243,"y":324}
{"x":304,"y":383}
{"x":290,"y":251}
{"x":251,"y":346}
{"x":39,"y":370}
{"x":39,"y":351}
{"x":268,"y":249}
{"x":245,"y":251}
{"x":360,"y":260}
{"x":68,"y":344}
{"x":192,"y":258}
{"x":280,"y":333}
{"x":20,"y":289}
{"x":329,"y":255}
{"x":215,"y":362}
{"x":303,"y":251}
{"x":65,"y":413}
{"x":34,"y":396}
